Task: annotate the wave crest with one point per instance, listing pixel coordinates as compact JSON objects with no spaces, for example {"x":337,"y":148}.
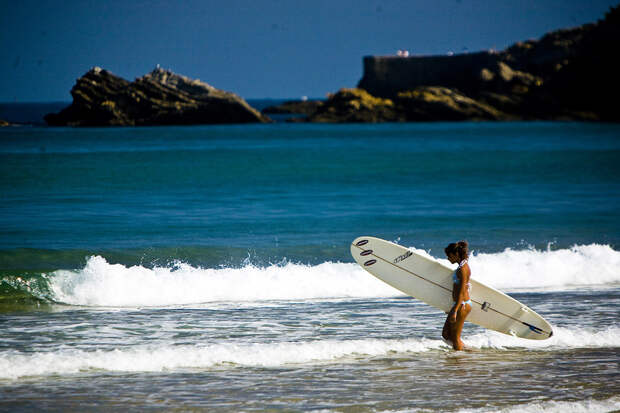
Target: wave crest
{"x":100,"y":283}
{"x":104,"y":284}
{"x":165,"y":357}
{"x":581,"y":265}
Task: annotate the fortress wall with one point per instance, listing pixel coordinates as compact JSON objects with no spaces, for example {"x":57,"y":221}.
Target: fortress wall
{"x":386,"y":75}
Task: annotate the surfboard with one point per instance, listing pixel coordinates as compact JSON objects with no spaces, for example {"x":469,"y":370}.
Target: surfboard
{"x":430,"y":281}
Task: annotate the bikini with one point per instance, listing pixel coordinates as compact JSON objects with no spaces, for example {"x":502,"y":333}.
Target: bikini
{"x":456,"y":280}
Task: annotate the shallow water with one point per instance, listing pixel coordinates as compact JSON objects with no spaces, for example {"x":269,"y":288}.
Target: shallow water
{"x":208,"y":268}
{"x":362,"y":354}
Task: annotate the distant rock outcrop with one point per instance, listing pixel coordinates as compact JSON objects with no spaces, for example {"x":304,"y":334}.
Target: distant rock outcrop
{"x":425,"y":103}
{"x":161,"y":97}
{"x":355,"y":105}
{"x":300,"y":107}
{"x":433,"y":103}
{"x":569,"y":74}
{"x":4,"y":123}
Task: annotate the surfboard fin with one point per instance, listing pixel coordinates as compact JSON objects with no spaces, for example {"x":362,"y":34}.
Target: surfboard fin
{"x":534,"y":328}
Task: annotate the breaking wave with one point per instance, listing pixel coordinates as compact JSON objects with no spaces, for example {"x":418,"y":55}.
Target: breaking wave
{"x":164,"y":357}
{"x":100,"y":283}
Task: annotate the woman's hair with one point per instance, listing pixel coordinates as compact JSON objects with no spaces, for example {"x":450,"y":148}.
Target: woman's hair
{"x":460,"y":249}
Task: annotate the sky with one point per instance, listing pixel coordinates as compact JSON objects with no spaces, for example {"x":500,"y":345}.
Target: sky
{"x":277,"y":49}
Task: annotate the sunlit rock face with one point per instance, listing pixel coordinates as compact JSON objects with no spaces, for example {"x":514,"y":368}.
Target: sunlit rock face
{"x":161,"y":97}
{"x":568,"y":74}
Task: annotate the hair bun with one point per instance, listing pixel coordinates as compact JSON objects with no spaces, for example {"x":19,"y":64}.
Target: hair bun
{"x":459,"y":248}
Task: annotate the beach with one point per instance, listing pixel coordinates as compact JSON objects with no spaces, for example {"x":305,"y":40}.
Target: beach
{"x":207,"y":268}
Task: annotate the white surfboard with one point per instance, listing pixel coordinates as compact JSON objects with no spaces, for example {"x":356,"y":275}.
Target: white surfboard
{"x":431,"y":282}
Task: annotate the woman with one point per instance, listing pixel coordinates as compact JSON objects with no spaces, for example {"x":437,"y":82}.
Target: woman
{"x":458,"y":253}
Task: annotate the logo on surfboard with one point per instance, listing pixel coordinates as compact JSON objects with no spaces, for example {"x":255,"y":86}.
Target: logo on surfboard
{"x":403,"y":257}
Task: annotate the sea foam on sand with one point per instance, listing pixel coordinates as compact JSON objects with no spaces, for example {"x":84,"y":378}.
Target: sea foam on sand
{"x":166,"y":357}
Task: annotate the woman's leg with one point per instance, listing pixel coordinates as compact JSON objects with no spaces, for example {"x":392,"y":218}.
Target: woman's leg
{"x":447,"y":329}
{"x":461,"y":315}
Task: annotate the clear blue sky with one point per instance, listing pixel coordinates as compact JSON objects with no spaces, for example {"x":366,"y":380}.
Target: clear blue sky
{"x":257,"y":49}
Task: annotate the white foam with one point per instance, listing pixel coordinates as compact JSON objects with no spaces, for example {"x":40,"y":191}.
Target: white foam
{"x":104,"y":284}
{"x":582,"y":406}
{"x":534,"y":269}
{"x":563,"y":338}
{"x":100,"y":283}
{"x":170,"y":358}
{"x":164,"y":357}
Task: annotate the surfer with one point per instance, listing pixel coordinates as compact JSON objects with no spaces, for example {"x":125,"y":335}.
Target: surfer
{"x":457,"y":252}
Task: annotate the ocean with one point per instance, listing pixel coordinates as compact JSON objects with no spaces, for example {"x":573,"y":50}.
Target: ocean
{"x":207,"y":268}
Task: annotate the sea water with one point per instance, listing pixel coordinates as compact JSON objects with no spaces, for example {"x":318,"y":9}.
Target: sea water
{"x":207,"y":268}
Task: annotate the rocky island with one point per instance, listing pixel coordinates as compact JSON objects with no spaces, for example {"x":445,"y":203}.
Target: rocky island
{"x":569,"y":74}
{"x":161,"y":97}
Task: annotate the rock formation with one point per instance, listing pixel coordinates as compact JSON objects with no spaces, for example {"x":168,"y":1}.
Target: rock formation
{"x":568,"y":74}
{"x":303,"y":107}
{"x":355,"y":105}
{"x":425,"y":103}
{"x":433,"y":103}
{"x":161,"y":97}
{"x":4,"y":123}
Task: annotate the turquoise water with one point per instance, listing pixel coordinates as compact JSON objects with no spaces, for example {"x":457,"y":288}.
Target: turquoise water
{"x":310,"y":186}
{"x":208,"y":267}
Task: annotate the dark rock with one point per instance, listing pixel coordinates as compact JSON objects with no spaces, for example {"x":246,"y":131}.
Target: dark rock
{"x":161,"y":97}
{"x":356,"y":105}
{"x":587,"y":82}
{"x":504,"y":79}
{"x":502,"y":102}
{"x":432,"y":103}
{"x":426,"y":103}
{"x":294,"y":107}
{"x":567,"y":74}
{"x":4,"y":123}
